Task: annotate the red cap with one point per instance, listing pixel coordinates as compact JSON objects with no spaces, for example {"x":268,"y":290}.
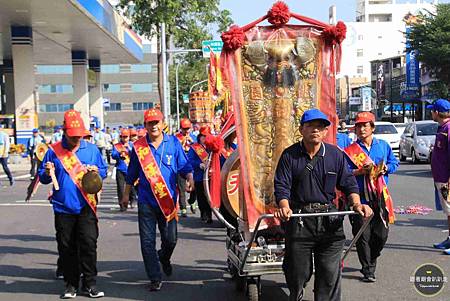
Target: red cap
{"x":141,"y":133}
{"x":87,"y":133}
{"x":153,"y":115}
{"x":133,"y":132}
{"x":185,"y":123}
{"x":73,"y":124}
{"x":363,"y":117}
{"x":205,"y":130}
{"x":125,"y":133}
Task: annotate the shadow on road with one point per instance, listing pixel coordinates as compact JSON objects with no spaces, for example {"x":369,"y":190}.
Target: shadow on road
{"x":27,"y":237}
{"x":421,"y":222}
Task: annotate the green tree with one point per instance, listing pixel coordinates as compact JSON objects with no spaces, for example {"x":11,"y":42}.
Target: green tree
{"x":430,"y":36}
{"x":188,"y":22}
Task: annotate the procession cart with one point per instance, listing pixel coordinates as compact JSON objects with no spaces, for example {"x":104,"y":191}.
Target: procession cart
{"x":264,"y":79}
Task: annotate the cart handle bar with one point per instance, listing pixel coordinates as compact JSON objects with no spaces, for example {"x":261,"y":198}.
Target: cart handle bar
{"x":265,"y":216}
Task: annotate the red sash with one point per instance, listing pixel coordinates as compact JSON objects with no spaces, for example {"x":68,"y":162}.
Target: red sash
{"x":76,"y":170}
{"x":155,"y":179}
{"x":123,"y":151}
{"x":375,"y":181}
{"x":200,"y":151}
{"x":184,"y":140}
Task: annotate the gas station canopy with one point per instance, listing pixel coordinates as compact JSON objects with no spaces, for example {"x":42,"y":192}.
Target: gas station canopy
{"x":60,"y":27}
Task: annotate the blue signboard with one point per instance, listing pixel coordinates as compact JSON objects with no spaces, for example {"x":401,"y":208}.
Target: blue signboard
{"x":412,"y":86}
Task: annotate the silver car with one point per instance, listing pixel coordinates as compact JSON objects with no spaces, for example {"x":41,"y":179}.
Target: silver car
{"x":416,"y":140}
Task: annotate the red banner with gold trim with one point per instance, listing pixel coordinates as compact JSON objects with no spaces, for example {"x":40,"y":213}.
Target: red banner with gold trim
{"x":76,"y":170}
{"x":156,"y":180}
{"x":375,"y":180}
{"x":200,"y":151}
{"x":123,"y":151}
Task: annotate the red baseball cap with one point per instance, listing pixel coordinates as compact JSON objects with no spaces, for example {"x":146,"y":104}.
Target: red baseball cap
{"x":185,"y":123}
{"x":153,"y":115}
{"x":205,"y":130}
{"x":363,"y":117}
{"x":73,"y":124}
{"x":87,"y":133}
{"x":125,"y":133}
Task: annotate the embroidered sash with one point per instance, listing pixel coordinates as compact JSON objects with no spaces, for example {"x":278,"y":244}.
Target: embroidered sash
{"x":374,"y":181}
{"x":200,"y":151}
{"x":123,"y":151}
{"x":156,"y":180}
{"x":76,"y":170}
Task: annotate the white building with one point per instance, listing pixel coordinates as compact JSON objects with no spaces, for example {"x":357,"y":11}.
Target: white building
{"x":377,"y":33}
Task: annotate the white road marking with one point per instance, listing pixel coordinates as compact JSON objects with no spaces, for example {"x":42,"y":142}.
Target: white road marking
{"x":18,"y":177}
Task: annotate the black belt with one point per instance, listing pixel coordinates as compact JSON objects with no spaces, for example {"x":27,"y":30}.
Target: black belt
{"x":314,"y":207}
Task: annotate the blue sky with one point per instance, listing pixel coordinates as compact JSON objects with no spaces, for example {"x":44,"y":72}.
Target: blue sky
{"x":246,"y":11}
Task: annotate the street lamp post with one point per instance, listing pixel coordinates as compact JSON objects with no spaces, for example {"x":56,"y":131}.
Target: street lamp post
{"x":196,"y":84}
{"x":178,"y":96}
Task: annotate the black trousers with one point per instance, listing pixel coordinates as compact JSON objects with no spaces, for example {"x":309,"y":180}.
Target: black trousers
{"x":77,"y":246}
{"x":182,"y":192}
{"x":120,"y":180}
{"x":203,"y":205}
{"x":108,"y":156}
{"x":4,"y":162}
{"x":302,"y":243}
{"x":371,"y":242}
{"x":34,"y":165}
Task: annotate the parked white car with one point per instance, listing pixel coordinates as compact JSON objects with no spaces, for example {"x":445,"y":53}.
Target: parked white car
{"x":417,"y":140}
{"x":388,"y":132}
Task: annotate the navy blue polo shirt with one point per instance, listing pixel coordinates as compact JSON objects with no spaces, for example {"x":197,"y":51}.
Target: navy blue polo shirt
{"x":330,"y":171}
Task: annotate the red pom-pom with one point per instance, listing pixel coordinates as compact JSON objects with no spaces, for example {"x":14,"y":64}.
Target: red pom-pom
{"x":279,"y":14}
{"x":234,"y":38}
{"x":214,"y":144}
{"x":335,"y":34}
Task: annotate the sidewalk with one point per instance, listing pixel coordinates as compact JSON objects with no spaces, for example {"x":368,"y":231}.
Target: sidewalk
{"x":18,"y":164}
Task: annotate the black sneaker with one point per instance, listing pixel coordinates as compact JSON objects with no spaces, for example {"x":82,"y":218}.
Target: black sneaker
{"x":93,"y":292}
{"x":69,"y":293}
{"x":369,"y":279}
{"x":155,"y":285}
{"x":12,"y":181}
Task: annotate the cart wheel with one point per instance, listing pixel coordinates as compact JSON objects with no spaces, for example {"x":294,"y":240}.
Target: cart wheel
{"x":239,"y":282}
{"x":253,"y":291}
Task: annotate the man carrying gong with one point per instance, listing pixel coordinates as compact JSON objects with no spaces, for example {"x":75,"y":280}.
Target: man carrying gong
{"x":76,"y":169}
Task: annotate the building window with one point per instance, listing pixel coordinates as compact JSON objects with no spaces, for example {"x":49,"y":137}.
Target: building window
{"x":142,"y":106}
{"x":147,"y":48}
{"x":125,"y":68}
{"x":125,"y":88}
{"x":55,"y":108}
{"x":360,"y":69}
{"x":142,"y":88}
{"x":359,"y":52}
{"x":141,"y":68}
{"x":380,"y":53}
{"x":380,"y":37}
{"x":111,"y":88}
{"x":56,"y":89}
{"x":54,"y":69}
{"x":380,"y":18}
{"x":360,"y":37}
{"x":109,"y":69}
{"x":114,"y":107}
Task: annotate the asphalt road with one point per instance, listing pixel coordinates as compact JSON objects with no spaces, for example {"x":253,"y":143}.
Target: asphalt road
{"x":28,"y":251}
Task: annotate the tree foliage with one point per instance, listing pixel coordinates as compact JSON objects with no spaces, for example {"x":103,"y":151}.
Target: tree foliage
{"x":188,"y":23}
{"x":431,"y":38}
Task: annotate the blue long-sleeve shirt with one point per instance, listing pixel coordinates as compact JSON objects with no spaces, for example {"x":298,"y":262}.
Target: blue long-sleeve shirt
{"x":68,"y":199}
{"x":120,"y":163}
{"x":379,"y":151}
{"x":171,"y":160}
{"x":195,"y":161}
{"x":343,"y":140}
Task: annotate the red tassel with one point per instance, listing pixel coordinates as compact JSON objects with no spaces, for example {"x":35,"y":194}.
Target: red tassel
{"x":214,"y":144}
{"x":234,"y":38}
{"x":279,"y":14}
